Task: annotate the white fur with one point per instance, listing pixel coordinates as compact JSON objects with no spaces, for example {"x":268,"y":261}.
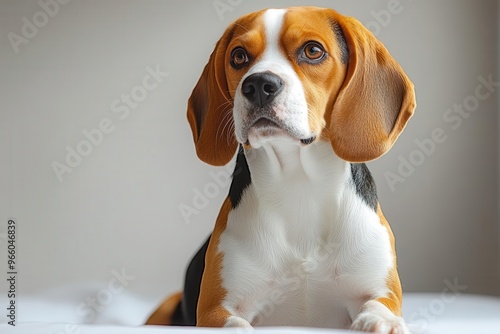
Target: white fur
{"x":301,"y":248}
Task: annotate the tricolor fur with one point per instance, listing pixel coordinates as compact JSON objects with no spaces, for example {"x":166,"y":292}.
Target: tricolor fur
{"x":307,"y":95}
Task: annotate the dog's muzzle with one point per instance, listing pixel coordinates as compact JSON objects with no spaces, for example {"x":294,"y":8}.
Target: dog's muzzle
{"x":264,"y":112}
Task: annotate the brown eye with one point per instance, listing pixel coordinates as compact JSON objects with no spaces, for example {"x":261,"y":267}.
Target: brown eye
{"x":239,"y":58}
{"x":312,"y":52}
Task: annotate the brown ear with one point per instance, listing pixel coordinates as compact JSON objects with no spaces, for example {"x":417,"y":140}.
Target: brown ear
{"x":375,"y":101}
{"x":210,"y":110}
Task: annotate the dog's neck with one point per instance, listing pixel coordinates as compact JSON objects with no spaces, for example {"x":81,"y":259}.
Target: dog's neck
{"x":302,"y":187}
{"x":281,"y":161}
{"x":299,"y":183}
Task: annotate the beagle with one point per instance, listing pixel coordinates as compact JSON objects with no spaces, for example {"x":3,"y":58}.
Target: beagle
{"x":303,"y":96}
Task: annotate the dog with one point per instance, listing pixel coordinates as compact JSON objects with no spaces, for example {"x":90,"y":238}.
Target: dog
{"x":303,"y":97}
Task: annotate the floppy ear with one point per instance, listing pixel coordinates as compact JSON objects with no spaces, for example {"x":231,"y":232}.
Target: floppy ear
{"x":375,"y":100}
{"x":210,"y":110}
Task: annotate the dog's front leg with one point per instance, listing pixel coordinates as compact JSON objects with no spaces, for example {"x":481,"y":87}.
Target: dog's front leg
{"x":376,"y":317}
{"x":212,"y":310}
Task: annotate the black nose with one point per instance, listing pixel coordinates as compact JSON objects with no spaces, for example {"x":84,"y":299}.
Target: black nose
{"x":261,"y":88}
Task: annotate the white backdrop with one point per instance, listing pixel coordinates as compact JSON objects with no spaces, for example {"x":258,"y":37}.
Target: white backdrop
{"x":111,"y":80}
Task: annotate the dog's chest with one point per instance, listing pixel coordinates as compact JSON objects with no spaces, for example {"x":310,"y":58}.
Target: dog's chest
{"x":303,"y":251}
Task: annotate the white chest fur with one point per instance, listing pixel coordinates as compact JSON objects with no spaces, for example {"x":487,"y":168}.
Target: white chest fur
{"x":302,"y":248}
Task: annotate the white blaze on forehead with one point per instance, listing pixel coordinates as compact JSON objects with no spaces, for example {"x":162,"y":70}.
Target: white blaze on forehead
{"x":273,"y":21}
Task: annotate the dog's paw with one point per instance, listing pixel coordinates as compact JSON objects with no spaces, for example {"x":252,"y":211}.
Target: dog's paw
{"x":369,"y":322}
{"x":378,"y":319}
{"x":234,"y":321}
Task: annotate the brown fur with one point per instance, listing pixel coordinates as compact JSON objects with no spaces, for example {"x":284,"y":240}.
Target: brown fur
{"x":394,"y":301}
{"x":210,"y":312}
{"x":163,"y":314}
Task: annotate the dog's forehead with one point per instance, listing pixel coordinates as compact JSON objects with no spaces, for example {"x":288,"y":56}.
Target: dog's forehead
{"x":283,"y":26}
{"x":307,"y":19}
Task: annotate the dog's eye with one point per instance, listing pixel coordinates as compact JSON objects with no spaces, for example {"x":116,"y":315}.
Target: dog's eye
{"x":239,"y":58}
{"x":312,"y":52}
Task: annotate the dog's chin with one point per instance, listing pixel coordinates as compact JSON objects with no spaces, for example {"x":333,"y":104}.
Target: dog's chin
{"x":261,"y":136}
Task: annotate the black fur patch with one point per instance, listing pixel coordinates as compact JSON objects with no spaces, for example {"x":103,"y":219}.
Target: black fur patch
{"x":365,"y":185}
{"x":185,"y":313}
{"x":241,"y":178}
{"x":339,"y":34}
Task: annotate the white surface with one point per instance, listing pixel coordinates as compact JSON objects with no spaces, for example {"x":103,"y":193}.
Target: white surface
{"x":61,"y":328}
{"x":120,"y":206}
{"x":58,"y":312}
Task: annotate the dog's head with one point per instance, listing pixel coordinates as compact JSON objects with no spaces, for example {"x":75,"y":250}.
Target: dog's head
{"x":300,"y":74}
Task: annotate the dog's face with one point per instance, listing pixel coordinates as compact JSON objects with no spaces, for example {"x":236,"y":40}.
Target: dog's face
{"x":299,"y":74}
{"x":282,"y":80}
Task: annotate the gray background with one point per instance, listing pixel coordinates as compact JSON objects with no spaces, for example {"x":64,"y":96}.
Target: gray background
{"x":120,"y":207}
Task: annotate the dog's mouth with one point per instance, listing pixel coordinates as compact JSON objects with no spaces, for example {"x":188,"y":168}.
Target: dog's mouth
{"x":308,"y":141}
{"x":266,"y":127}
